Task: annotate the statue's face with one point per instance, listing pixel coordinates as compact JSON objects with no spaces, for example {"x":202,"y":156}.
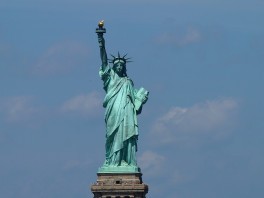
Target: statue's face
{"x":119,"y":68}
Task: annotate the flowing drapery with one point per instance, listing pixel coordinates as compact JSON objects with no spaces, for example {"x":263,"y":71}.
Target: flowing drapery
{"x":120,"y":118}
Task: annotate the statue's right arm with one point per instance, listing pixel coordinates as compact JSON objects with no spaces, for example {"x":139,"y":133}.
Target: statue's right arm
{"x":102,"y":50}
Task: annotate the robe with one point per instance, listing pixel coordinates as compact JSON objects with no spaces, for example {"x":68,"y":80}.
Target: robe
{"x":120,"y":119}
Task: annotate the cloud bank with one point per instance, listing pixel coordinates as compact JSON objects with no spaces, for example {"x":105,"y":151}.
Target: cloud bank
{"x":212,"y":119}
{"x":85,"y":104}
{"x":61,"y":58}
{"x":151,"y":163}
{"x":17,"y":109}
{"x":189,"y":36}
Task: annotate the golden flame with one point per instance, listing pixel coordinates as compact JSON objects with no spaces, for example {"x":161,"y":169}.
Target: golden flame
{"x":101,"y":23}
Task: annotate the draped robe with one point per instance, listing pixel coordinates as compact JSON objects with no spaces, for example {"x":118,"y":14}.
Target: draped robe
{"x":120,"y":119}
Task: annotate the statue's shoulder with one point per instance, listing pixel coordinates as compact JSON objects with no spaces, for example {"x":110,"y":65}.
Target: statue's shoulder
{"x":107,"y":74}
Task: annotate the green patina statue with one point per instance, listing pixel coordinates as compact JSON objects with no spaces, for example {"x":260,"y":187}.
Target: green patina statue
{"x":123,"y":103}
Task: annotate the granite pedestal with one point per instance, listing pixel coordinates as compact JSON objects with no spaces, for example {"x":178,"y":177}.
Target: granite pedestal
{"x":119,"y":185}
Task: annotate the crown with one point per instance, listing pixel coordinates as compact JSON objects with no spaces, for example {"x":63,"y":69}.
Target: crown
{"x":119,"y":59}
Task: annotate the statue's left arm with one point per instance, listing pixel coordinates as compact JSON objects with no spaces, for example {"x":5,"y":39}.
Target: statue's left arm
{"x":141,"y":97}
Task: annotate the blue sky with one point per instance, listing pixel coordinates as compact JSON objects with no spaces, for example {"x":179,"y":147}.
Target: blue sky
{"x":201,"y":131}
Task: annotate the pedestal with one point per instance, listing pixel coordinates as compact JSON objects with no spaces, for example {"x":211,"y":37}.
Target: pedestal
{"x":119,"y":185}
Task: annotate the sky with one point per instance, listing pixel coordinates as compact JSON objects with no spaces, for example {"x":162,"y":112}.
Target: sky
{"x":201,"y":131}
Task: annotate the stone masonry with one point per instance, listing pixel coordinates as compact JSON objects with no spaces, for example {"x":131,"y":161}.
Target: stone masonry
{"x":119,"y":185}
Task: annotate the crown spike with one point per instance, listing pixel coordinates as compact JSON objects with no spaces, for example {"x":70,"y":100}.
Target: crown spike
{"x":124,"y":56}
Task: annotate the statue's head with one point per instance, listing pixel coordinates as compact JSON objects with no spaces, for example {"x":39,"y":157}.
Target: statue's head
{"x":119,"y":64}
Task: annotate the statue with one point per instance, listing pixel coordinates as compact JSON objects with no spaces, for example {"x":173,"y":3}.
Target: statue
{"x":122,"y":104}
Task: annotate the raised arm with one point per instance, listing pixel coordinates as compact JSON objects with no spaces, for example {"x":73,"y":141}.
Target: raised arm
{"x":102,"y":50}
{"x":100,"y":32}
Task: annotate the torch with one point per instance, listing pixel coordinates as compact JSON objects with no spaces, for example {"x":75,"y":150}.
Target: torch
{"x":100,"y":32}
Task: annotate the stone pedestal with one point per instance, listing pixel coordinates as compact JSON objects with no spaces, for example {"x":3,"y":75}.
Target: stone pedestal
{"x":119,"y":185}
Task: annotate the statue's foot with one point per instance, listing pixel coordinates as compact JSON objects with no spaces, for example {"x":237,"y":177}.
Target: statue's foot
{"x":123,"y":168}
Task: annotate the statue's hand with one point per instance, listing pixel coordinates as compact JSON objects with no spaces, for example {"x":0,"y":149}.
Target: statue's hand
{"x":145,"y":99}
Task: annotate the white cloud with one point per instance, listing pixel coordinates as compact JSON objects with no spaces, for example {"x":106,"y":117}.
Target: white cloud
{"x":211,"y":119}
{"x":191,"y":35}
{"x":17,"y":109}
{"x":21,"y":109}
{"x":83,"y":104}
{"x":61,"y":57}
{"x":181,"y":176}
{"x":151,"y":163}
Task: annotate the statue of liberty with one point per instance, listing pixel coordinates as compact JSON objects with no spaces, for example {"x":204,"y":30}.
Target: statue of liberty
{"x":122,"y":104}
